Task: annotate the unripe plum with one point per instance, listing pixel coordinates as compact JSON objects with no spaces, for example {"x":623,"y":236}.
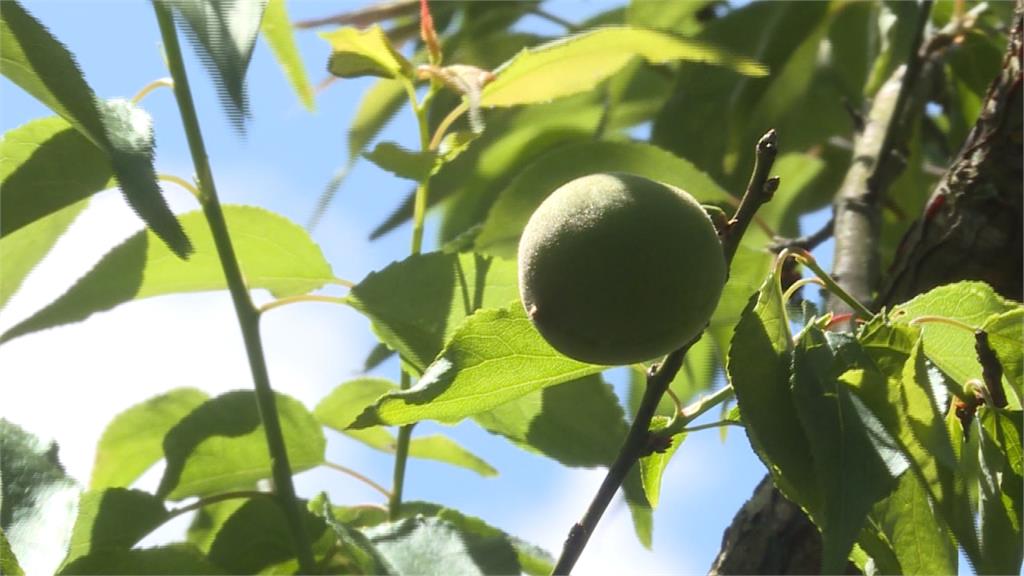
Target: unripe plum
{"x":617,"y":269}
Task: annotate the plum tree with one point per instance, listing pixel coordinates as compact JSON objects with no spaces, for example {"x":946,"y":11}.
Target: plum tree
{"x":617,"y":268}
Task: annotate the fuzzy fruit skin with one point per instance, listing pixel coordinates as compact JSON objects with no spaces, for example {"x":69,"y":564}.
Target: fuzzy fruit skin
{"x":617,"y":269}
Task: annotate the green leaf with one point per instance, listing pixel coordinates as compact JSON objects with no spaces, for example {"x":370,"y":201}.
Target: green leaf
{"x":21,"y":251}
{"x":579,"y":423}
{"x":495,"y":356}
{"x":1002,"y":492}
{"x":415,"y":305}
{"x":850,"y":473}
{"x":749,"y":268}
{"x":224,"y":34}
{"x":365,"y":53}
{"x":112,"y":520}
{"x":221,"y":445}
{"x":444,"y":449}
{"x":9,"y":562}
{"x":758,"y":366}
{"x":895,"y":384}
{"x":379,"y":104}
{"x":533,"y":560}
{"x":517,"y":201}
{"x":952,"y":348}
{"x":639,"y":508}
{"x":377,"y":356}
{"x":1005,"y":333}
{"x":208,"y":521}
{"x":171,"y":559}
{"x":355,"y":551}
{"x":919,"y":539}
{"x":280,"y":36}
{"x":36,"y":178}
{"x":273,"y":253}
{"x":37,"y":499}
{"x":677,"y":17}
{"x":347,"y":401}
{"x":513,"y":139}
{"x":448,"y":543}
{"x":256,"y":537}
{"x":38,"y":63}
{"x":133,"y":441}
{"x":578,"y":63}
{"x":339,"y":409}
{"x":403,"y":163}
{"x":653,"y":466}
{"x":714,"y":117}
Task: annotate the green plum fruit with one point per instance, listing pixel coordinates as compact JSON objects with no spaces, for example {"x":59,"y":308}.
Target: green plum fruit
{"x":617,"y":269}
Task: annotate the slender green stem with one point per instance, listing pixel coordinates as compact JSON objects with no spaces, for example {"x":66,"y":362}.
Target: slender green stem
{"x":301,"y":298}
{"x":804,"y":257}
{"x":203,"y":502}
{"x":401,"y":458}
{"x":710,"y":425}
{"x":361,"y":477}
{"x":800,"y":284}
{"x":181,"y":182}
{"x":248,"y":315}
{"x":161,"y":83}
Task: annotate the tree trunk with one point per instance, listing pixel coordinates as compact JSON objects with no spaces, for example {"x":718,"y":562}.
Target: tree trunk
{"x":970,"y":230}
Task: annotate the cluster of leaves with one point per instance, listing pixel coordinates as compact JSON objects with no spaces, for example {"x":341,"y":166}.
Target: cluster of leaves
{"x":854,"y":427}
{"x":874,"y":434}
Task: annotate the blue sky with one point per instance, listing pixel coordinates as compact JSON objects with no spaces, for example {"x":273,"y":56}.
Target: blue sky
{"x":67,"y":383}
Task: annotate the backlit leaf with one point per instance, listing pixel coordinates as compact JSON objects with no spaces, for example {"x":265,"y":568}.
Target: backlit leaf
{"x":21,"y":251}
{"x":415,"y":166}
{"x":38,"y":63}
{"x":849,"y":472}
{"x":579,"y":423}
{"x":37,"y":500}
{"x":171,"y":559}
{"x":256,"y":537}
{"x":346,"y":402}
{"x":952,"y":348}
{"x":277,"y":31}
{"x":653,"y":465}
{"x":273,"y":253}
{"x":36,"y":177}
{"x":224,"y":34}
{"x":1002,"y":491}
{"x":221,"y":445}
{"x":416,"y":304}
{"x":365,"y":53}
{"x":112,"y":520}
{"x":133,"y":440}
{"x":8,"y":561}
{"x":448,"y":543}
{"x":758,"y":366}
{"x":495,"y":356}
{"x":578,"y":63}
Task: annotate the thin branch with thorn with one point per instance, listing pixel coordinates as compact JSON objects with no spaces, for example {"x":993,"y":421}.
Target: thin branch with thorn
{"x":638,"y":439}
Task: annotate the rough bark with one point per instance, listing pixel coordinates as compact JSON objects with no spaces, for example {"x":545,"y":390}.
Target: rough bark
{"x":971,"y":227}
{"x":969,"y":230}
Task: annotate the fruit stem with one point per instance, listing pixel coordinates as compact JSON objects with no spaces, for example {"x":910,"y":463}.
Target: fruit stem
{"x":759,"y":191}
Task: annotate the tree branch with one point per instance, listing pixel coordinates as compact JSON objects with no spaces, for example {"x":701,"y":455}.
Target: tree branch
{"x":638,"y":440}
{"x":857,"y":210}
